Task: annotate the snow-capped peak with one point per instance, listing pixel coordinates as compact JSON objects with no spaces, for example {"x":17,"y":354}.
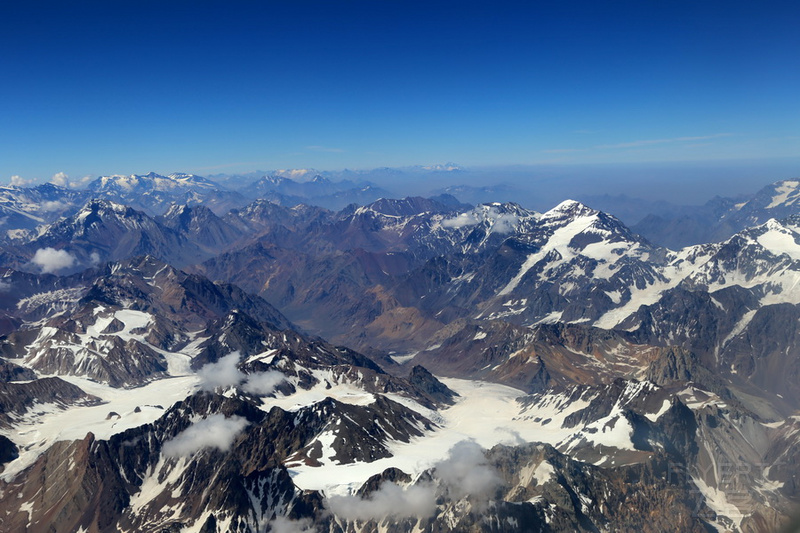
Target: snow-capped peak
{"x":570,"y":208}
{"x":777,"y":238}
{"x":786,"y":193}
{"x":498,"y":218}
{"x":136,"y":183}
{"x":176,"y":210}
{"x":101,"y":204}
{"x":296,"y":174}
{"x":447,"y":167}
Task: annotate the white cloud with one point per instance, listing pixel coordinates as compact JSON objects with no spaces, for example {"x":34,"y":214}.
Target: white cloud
{"x":498,"y":222}
{"x":4,"y":285}
{"x":224,"y":373}
{"x":462,"y":220}
{"x":505,"y":223}
{"x":19,"y":181}
{"x":51,"y":260}
{"x":81,"y":182}
{"x":216,"y":431}
{"x":60,"y":179}
{"x":52,"y":205}
{"x":466,"y":472}
{"x":390,"y":500}
{"x":94,"y":258}
{"x":281,"y":524}
{"x":263,"y":383}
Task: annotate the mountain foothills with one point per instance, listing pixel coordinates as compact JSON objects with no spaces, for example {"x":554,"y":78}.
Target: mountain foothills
{"x":304,"y":354}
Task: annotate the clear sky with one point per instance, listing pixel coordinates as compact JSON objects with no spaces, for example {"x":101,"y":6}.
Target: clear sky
{"x":124,"y":86}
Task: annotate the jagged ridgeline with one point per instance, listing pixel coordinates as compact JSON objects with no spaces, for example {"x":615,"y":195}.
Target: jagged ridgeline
{"x":304,"y":354}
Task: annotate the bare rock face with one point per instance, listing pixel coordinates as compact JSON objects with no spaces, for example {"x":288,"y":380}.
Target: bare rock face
{"x":17,"y":398}
{"x":111,"y":360}
{"x":199,"y":224}
{"x":75,"y":486}
{"x":427,"y":383}
{"x":12,"y":372}
{"x":8,"y":450}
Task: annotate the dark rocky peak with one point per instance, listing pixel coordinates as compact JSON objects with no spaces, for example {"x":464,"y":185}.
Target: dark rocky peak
{"x":10,"y":371}
{"x":50,"y":293}
{"x":147,"y":284}
{"x":407,"y":207}
{"x":428,"y":384}
{"x":489,"y":212}
{"x":263,"y":215}
{"x":104,"y":230}
{"x":451,"y":202}
{"x":274,"y":180}
{"x":182,"y":215}
{"x":235,"y":332}
{"x":8,"y":450}
{"x":98,"y":209}
{"x":360,"y":433}
{"x":374,"y":483}
{"x":263,"y":210}
{"x":296,"y":184}
{"x":144,"y":266}
{"x":486,"y":225}
{"x":675,"y":364}
{"x":202,"y":226}
{"x":217,"y":299}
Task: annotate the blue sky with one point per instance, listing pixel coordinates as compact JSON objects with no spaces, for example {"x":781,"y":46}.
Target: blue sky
{"x":92,"y":88}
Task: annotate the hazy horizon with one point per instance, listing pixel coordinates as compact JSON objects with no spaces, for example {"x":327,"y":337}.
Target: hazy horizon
{"x":95,"y":88}
{"x":543,"y":186}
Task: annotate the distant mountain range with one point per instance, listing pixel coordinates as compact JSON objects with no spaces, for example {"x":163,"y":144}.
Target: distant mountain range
{"x":176,"y":355}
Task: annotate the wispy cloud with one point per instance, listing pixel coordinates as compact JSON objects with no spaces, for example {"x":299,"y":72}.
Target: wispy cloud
{"x":465,"y":473}
{"x":216,"y":431}
{"x":390,"y":500}
{"x":563,"y":150}
{"x":222,"y":373}
{"x":327,"y":149}
{"x":648,"y":142}
{"x":281,"y":524}
{"x":225,"y":373}
{"x":637,"y":143}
